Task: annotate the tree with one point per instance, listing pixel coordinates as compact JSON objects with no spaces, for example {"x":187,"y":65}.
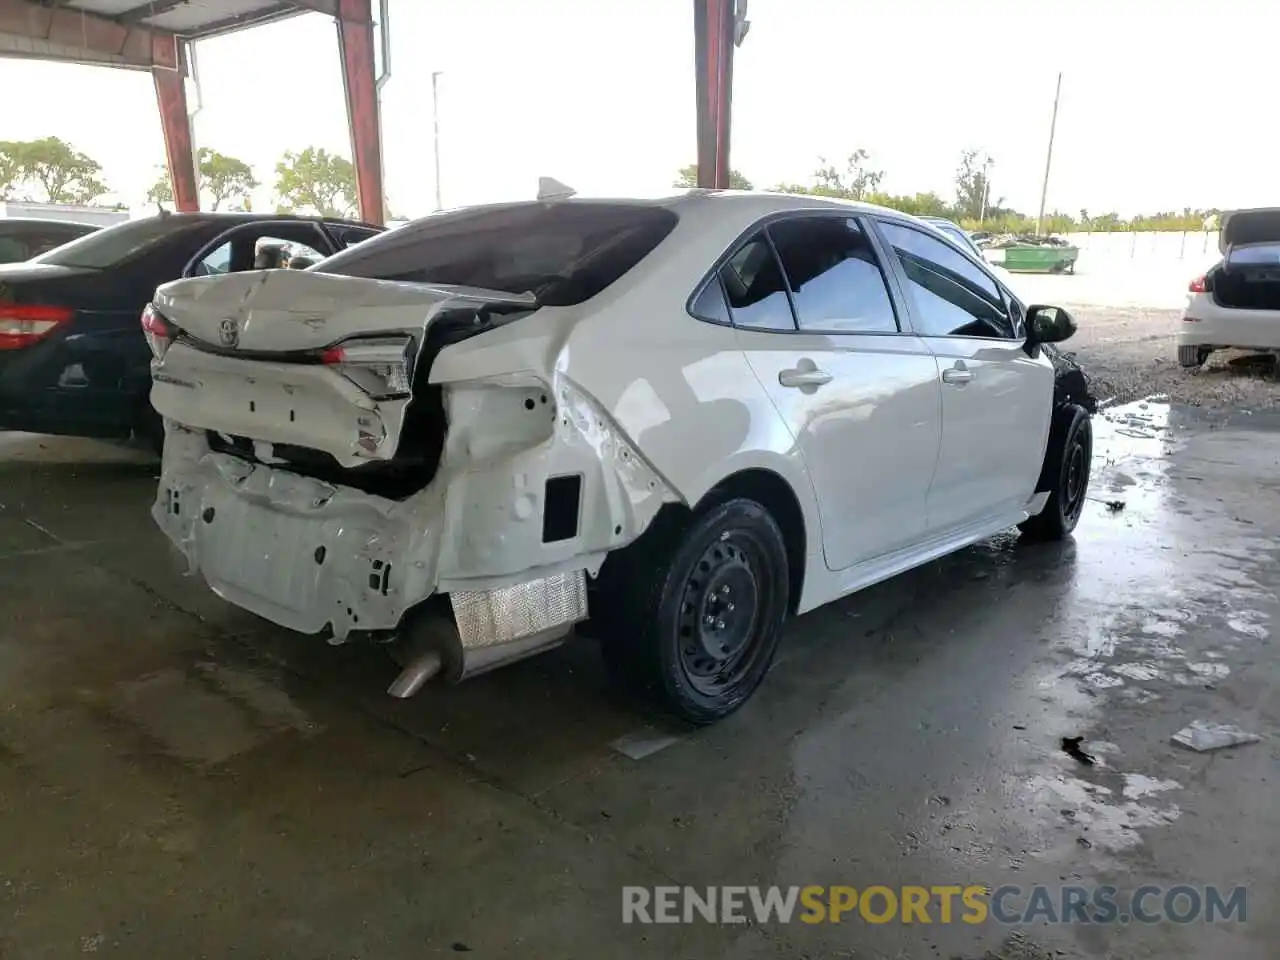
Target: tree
{"x":688,"y":177}
{"x":316,"y":180}
{"x":64,"y":173}
{"x":226,"y":178}
{"x":857,"y":181}
{"x":920,"y":205}
{"x":161,"y":192}
{"x":222,"y":177}
{"x":11,"y":175}
{"x":973,"y":190}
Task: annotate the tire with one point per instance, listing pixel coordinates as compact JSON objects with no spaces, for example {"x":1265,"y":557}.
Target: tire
{"x":1192,"y":356}
{"x":692,"y":612}
{"x":1066,"y":469}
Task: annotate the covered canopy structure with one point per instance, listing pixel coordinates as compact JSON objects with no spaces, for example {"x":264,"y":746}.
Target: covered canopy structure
{"x":154,"y":35}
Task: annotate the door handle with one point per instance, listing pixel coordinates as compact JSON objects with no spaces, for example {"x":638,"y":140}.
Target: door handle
{"x":956,"y":375}
{"x":804,"y":378}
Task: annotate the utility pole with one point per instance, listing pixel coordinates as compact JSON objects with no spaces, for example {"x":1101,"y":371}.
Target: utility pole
{"x":435,"y":129}
{"x":986,"y":190}
{"x":1048,"y":160}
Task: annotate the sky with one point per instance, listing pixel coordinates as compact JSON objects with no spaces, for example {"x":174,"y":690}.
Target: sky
{"x":1156,"y":111}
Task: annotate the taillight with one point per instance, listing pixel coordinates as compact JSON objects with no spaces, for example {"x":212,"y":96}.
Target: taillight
{"x":22,"y":324}
{"x":380,"y":366}
{"x":158,"y":332}
{"x":1198,"y":285}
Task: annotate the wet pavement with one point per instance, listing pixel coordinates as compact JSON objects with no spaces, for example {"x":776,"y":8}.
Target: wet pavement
{"x":180,"y":779}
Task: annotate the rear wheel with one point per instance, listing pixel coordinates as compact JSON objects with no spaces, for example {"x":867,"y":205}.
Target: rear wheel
{"x":1067,"y":464}
{"x":1192,"y":356}
{"x":693,"y":611}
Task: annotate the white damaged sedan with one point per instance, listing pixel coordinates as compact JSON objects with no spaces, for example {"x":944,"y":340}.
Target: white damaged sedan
{"x":670,"y":423}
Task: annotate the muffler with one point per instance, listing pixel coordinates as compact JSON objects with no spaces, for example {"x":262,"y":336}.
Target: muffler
{"x":489,"y":629}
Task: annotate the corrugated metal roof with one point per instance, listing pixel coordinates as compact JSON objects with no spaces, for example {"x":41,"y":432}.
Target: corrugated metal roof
{"x":191,"y":18}
{"x":34,"y":48}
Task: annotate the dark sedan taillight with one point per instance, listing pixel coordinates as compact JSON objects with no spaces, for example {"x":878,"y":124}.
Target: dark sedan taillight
{"x":158,"y":330}
{"x":22,"y":324}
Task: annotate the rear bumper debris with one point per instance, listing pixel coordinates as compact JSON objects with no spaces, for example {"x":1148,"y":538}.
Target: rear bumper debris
{"x":321,"y":558}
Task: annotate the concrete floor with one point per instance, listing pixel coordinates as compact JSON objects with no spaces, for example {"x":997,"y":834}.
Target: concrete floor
{"x":178,"y":779}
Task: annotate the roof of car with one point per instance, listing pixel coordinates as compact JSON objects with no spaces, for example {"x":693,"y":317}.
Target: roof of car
{"x":240,"y":216}
{"x":44,"y":222}
{"x":743,"y":202}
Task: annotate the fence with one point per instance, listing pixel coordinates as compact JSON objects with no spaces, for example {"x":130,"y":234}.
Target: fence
{"x":1196,"y":245}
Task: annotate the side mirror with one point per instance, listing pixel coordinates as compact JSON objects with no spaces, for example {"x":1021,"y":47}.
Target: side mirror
{"x":1047,"y":324}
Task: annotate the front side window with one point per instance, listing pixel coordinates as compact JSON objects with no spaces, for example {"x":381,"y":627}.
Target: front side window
{"x":350,"y":236}
{"x":958,"y":235}
{"x":836,"y":282}
{"x":217,"y":262}
{"x":563,"y":253}
{"x":754,"y":287}
{"x":952,"y":296}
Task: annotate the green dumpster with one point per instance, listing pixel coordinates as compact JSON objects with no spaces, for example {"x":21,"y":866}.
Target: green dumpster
{"x":1040,"y":258}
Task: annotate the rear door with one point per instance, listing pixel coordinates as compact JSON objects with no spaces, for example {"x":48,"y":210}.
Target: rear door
{"x":857,"y":390}
{"x":996,"y":399}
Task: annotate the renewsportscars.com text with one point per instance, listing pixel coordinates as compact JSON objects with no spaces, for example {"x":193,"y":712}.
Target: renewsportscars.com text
{"x":943,"y":903}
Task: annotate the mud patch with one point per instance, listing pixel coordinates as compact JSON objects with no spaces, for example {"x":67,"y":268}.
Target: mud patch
{"x":208,"y":715}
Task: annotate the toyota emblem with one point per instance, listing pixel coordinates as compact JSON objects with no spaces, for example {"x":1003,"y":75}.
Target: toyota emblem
{"x":229,"y":333}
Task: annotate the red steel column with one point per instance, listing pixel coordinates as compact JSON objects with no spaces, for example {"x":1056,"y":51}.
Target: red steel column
{"x":355,"y":44}
{"x":171,"y":96}
{"x":713,"y":29}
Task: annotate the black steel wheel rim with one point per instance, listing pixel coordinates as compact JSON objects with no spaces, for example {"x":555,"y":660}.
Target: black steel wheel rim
{"x":720,"y":613}
{"x":1075,"y":474}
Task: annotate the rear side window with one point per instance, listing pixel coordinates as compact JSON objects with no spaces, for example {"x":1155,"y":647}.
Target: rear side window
{"x":1255,"y":255}
{"x":711,"y":304}
{"x":564,"y":253}
{"x":836,"y":282}
{"x":755,"y":289}
{"x":952,"y":296}
{"x":23,"y":242}
{"x":113,"y":245}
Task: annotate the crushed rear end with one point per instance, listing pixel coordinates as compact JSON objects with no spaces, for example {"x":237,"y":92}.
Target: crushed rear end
{"x":322,"y":472}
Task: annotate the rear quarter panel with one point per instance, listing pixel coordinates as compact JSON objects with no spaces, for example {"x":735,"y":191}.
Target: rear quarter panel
{"x":679,"y":387}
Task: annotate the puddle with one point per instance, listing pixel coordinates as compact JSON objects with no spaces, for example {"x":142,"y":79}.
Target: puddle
{"x":1240,"y":625}
{"x":1098,"y":815}
{"x":1131,"y":431}
{"x":1137,"y":785}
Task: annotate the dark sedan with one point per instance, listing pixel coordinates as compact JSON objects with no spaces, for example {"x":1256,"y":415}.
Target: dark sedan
{"x":22,"y":238}
{"x":73,"y":356}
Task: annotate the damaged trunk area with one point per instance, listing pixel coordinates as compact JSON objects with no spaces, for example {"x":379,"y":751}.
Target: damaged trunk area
{"x":326,"y":371}
{"x":1248,"y":279}
{"x":422,"y":434}
{"x":324,"y":377}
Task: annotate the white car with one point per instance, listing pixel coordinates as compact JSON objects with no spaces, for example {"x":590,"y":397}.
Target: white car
{"x":674,"y":423}
{"x":1237,"y":303}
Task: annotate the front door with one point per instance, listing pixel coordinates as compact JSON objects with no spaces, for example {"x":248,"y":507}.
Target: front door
{"x":858,"y":394}
{"x":996,"y":399}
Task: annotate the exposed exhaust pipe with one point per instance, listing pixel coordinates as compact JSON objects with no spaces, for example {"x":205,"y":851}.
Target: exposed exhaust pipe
{"x":488,"y":629}
{"x":417,"y":671}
